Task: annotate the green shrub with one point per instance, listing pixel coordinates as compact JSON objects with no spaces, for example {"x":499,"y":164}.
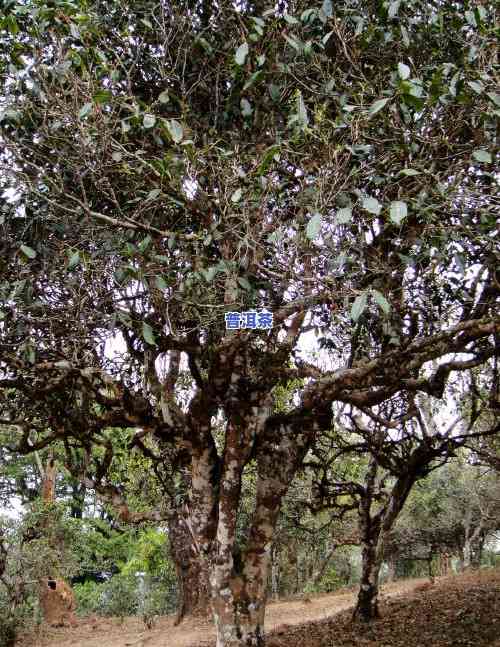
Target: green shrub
{"x":123,"y":595}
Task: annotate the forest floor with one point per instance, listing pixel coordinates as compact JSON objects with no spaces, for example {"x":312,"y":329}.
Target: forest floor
{"x":456,"y":611}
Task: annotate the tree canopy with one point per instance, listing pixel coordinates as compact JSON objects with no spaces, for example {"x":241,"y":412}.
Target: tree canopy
{"x":168,"y":163}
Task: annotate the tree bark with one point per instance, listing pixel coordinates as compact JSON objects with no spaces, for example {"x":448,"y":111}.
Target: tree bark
{"x":367,"y":605}
{"x":238,"y":576}
{"x":275,"y":573}
{"x":192,"y":575}
{"x":370,"y":529}
{"x":239,"y":582}
{"x":391,"y":570}
{"x":374,"y":528}
{"x":319,"y":574}
{"x":473,"y":543}
{"x":48,"y":490}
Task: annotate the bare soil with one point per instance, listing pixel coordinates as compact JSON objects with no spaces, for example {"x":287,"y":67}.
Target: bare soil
{"x":457,"y":610}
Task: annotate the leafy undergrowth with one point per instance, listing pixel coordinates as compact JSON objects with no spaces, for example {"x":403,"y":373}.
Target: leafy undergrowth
{"x":456,"y":611}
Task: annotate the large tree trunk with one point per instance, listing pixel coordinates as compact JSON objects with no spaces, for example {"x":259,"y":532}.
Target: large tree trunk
{"x":238,"y":581}
{"x":192,"y":574}
{"x":239,"y":613}
{"x":239,"y":601}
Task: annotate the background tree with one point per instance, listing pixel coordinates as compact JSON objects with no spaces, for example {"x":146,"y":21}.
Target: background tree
{"x":371,"y":467}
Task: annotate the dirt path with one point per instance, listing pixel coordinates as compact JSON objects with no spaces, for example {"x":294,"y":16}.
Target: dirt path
{"x":111,"y":632}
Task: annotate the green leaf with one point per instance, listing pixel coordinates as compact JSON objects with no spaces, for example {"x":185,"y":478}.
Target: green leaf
{"x":314,"y":226}
{"x":85,"y":109}
{"x":482,"y":156}
{"x":327,"y":8}
{"x":10,"y":115}
{"x":405,"y":36}
{"x":175,"y":130}
{"x":117,"y":156}
{"x":358,"y":306}
{"x":28,"y":251}
{"x":471,"y":19}
{"x":236,"y":197}
{"x":477,"y":86}
{"x":161,"y":258}
{"x":102,"y":96}
{"x":205,"y":44}
{"x":253,"y":79}
{"x":302,"y":116}
{"x":372,"y":205}
{"x":244,"y":283}
{"x":144,"y":244}
{"x":274,"y":92}
{"x":398,"y":212}
{"x":403,"y":71}
{"x":344,"y":216}
{"x":308,"y":15}
{"x":153,"y":194}
{"x":381,"y":301}
{"x":164,"y":97}
{"x":147,"y":334}
{"x":393,"y":9}
{"x":74,"y":260}
{"x":495,"y":97}
{"x":377,"y":106}
{"x":246,"y":108}
{"x":210,"y":273}
{"x":296,"y":44}
{"x":148,"y":120}
{"x":241,"y":54}
{"x":161,"y":284}
{"x":409,"y":172}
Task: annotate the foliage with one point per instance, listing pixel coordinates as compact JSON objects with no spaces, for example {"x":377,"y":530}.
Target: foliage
{"x":166,"y":164}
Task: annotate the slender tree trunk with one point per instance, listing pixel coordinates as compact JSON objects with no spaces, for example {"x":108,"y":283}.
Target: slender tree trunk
{"x":467,"y":551}
{"x":367,"y":605}
{"x":78,"y":491}
{"x":275,"y":573}
{"x":49,"y":482}
{"x":318,"y":575}
{"x":239,"y":597}
{"x":461,"y":558}
{"x":472,"y":544}
{"x":374,"y":528}
{"x":370,"y":529}
{"x":391,"y":570}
